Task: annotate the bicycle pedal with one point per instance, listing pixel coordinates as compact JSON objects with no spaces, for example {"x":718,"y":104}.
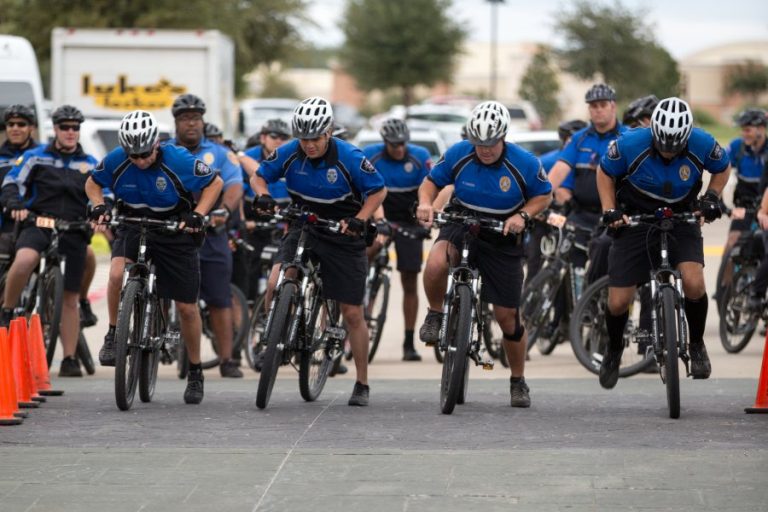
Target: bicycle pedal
{"x":430,"y":343}
{"x":487,"y":365}
{"x":336,"y":333}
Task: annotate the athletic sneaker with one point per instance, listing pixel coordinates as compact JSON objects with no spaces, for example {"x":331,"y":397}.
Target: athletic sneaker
{"x":359,"y":395}
{"x":194,"y":392}
{"x":430,"y":330}
{"x":519,"y":393}
{"x":701,"y":368}
{"x":107,"y":352}
{"x":70,"y":367}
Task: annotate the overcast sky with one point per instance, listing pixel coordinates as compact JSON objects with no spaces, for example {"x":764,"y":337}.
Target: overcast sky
{"x":682,"y":26}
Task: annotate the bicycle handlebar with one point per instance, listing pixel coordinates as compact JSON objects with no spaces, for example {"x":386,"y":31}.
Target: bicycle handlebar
{"x":663,"y":214}
{"x":305,"y":216}
{"x":443,"y":218}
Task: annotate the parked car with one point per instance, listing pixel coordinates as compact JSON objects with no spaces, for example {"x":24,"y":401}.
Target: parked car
{"x":428,"y":139}
{"x":523,"y":116}
{"x":255,"y":112}
{"x":538,"y":142}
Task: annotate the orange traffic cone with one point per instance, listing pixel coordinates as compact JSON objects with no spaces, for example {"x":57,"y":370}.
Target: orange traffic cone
{"x":7,"y":387}
{"x":20,"y":368}
{"x":29,"y":361}
{"x":39,"y":363}
{"x":761,"y":402}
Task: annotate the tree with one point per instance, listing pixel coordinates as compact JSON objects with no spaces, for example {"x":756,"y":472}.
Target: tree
{"x":749,"y":78}
{"x":274,"y":86}
{"x":263,"y":30}
{"x":617,"y":43}
{"x":540,"y":86}
{"x":400,"y":43}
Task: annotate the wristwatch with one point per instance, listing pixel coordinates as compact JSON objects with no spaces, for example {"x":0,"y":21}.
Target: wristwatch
{"x":524,"y":215}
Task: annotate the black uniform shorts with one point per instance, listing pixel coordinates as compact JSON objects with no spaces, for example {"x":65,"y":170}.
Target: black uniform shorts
{"x":409,"y":250}
{"x":72,"y":246}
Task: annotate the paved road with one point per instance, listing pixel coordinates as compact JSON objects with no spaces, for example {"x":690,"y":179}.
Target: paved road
{"x":579,"y":448}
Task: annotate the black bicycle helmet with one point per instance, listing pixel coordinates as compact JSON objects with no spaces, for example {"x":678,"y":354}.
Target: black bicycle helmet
{"x":395,"y":131}
{"x":567,"y":128}
{"x":752,"y":117}
{"x":211,"y":130}
{"x":187,"y":103}
{"x":21,"y":111}
{"x":67,"y":113}
{"x":640,"y":108}
{"x":277,"y":126}
{"x":600,"y":92}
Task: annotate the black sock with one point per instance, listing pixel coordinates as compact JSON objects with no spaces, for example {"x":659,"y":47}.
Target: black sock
{"x":198,"y":366}
{"x":112,"y":329}
{"x":516,"y":379}
{"x":408,"y":343}
{"x":696,"y":314}
{"x":615,"y":326}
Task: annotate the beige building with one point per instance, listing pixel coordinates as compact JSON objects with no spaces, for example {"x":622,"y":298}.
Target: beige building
{"x":704,"y":76}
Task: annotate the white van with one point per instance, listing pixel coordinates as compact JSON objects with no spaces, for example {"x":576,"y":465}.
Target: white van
{"x":20,"y":76}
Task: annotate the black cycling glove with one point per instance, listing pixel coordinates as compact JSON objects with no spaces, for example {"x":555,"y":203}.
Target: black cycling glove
{"x":193,"y":221}
{"x":99,"y":210}
{"x":355,"y":226}
{"x":710,"y":206}
{"x":264,"y":203}
{"x":611,"y":216}
{"x":14,"y":204}
{"x":383,"y":228}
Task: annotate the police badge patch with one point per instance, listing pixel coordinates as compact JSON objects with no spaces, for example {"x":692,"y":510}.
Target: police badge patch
{"x":613,"y":151}
{"x":505,"y":183}
{"x":367,"y":166}
{"x":717,"y":152}
{"x":408,"y":167}
{"x":685,"y":172}
{"x":201,"y":169}
{"x":332,"y":175}
{"x":161,"y":184}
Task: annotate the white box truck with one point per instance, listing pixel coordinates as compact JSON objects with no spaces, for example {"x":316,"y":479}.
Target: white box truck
{"x":20,"y":76}
{"x":109,"y":72}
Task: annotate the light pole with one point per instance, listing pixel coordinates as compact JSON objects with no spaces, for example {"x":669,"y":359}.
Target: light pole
{"x":494,"y":37}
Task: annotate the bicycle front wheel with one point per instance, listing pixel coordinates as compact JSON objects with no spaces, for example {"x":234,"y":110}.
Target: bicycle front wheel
{"x":376,"y":314}
{"x":457,"y":336}
{"x":150,"y":357}
{"x":316,"y":360}
{"x":737,"y":321}
{"x":51,"y":297}
{"x":670,"y":369}
{"x":127,"y":344}
{"x":277,"y":339}
{"x":538,"y":309}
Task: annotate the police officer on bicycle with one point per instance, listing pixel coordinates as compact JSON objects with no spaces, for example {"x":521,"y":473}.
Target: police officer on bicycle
{"x":334,"y":180}
{"x":404,"y":166}
{"x":646,"y":169}
{"x":50,"y":181}
{"x":497,"y":179}
{"x":157,"y":182}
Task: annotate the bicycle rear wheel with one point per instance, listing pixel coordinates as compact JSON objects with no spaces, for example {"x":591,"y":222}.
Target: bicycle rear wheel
{"x":83,"y":353}
{"x":127,"y":344}
{"x":538,"y":309}
{"x":240,"y":319}
{"x":589,"y":334}
{"x":277,"y":339}
{"x":316,"y":360}
{"x":255,"y":342}
{"x":150,"y":357}
{"x":457,"y":335}
{"x":670,"y":369}
{"x":51,"y":296}
{"x":737,"y":321}
{"x":377,"y":312}
{"x":493,"y":337}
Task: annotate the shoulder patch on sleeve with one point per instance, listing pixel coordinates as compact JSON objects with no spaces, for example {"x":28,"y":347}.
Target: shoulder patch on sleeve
{"x":201,"y":169}
{"x":542,"y":174}
{"x":367,"y":166}
{"x":717,"y":152}
{"x":613,"y":151}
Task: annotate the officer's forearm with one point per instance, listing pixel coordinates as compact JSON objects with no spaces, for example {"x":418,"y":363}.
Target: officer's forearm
{"x":209,"y":196}
{"x":537,"y":204}
{"x":717,"y":181}
{"x":607,"y":190}
{"x":250,"y":166}
{"x":259,"y":185}
{"x":372,"y":202}
{"x":427,"y":191}
{"x":232,"y":196}
{"x":558,"y":174}
{"x":94,"y":192}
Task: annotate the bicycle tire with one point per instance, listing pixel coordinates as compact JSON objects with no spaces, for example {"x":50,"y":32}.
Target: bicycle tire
{"x":538,"y":306}
{"x":240,"y":319}
{"x":277,"y":335}
{"x":317,"y":357}
{"x":588,"y":347}
{"x":737,"y":323}
{"x":83,"y":353}
{"x":379,"y":300}
{"x":438,"y":353}
{"x":128,"y":332}
{"x":462,"y":398}
{"x":492,"y":343}
{"x":150,"y":357}
{"x":670,"y":366}
{"x":458,"y":335}
{"x":182,"y":361}
{"x":51,"y":296}
{"x":255,"y":342}
{"x":719,"y":287}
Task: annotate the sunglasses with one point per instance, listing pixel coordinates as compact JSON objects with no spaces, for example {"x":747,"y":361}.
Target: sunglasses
{"x":69,"y":127}
{"x":141,"y":156}
{"x":274,"y":135}
{"x":396,"y":144}
{"x":20,"y":124}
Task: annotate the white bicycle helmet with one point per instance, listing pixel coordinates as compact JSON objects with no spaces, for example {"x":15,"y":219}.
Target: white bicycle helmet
{"x":312,"y":118}
{"x":671,"y":125}
{"x":488,"y":123}
{"x":138,"y":132}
